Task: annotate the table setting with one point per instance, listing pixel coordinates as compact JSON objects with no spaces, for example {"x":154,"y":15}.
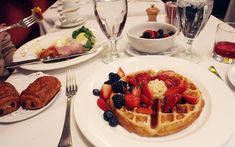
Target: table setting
{"x":103,"y":46}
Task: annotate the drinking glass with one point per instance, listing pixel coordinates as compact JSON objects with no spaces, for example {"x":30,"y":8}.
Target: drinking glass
{"x":192,"y":16}
{"x":111,"y":16}
{"x":224,"y":46}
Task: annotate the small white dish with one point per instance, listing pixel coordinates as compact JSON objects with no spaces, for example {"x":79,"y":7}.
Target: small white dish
{"x":133,"y":52}
{"x":79,"y":21}
{"x":231,"y":75}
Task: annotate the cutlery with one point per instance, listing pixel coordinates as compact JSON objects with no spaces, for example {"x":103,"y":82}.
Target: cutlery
{"x":47,"y":60}
{"x":25,"y":23}
{"x":214,"y":71}
{"x":71,"y":90}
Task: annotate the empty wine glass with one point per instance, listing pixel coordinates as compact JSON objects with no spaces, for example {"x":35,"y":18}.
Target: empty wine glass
{"x":111,"y":17}
{"x":192,"y":16}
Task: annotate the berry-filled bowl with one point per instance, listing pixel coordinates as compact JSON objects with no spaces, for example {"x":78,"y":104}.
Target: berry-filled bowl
{"x":152,"y":37}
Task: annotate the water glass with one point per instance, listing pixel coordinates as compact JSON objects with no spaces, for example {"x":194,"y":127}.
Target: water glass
{"x":224,"y":45}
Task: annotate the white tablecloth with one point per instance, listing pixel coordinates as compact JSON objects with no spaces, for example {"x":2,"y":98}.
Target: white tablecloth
{"x":136,"y":8}
{"x":44,"y":130}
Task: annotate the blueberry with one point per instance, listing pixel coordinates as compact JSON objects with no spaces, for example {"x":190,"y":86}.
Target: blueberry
{"x":108,"y":115}
{"x":118,"y":101}
{"x":161,"y":33}
{"x":119,"y":86}
{"x":113,"y":121}
{"x":113,"y":77}
{"x":146,"y":35}
{"x":108,"y":82}
{"x":96,"y":92}
{"x":171,"y":33}
{"x":124,"y":84}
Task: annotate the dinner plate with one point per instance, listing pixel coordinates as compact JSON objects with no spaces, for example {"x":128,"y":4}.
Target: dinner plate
{"x":22,"y":114}
{"x":231,"y":75}
{"x":30,"y":50}
{"x":213,"y":127}
{"x":79,"y":21}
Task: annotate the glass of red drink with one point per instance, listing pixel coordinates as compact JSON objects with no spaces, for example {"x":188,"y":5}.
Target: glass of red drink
{"x":224,"y":47}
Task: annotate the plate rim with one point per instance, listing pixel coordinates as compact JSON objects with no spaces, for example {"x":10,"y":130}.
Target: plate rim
{"x":99,"y":46}
{"x":96,"y":140}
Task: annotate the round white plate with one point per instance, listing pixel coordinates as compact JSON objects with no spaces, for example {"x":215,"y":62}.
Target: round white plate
{"x":79,"y":21}
{"x":231,"y":75}
{"x":30,"y":49}
{"x":214,"y":126}
{"x":22,"y":114}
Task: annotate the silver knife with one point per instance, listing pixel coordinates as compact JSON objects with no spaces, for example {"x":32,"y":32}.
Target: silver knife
{"x":46,"y":60}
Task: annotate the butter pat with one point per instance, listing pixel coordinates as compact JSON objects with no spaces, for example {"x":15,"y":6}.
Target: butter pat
{"x":158,"y":88}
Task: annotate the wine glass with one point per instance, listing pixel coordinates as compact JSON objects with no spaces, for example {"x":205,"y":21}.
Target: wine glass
{"x":111,"y":16}
{"x":192,"y":16}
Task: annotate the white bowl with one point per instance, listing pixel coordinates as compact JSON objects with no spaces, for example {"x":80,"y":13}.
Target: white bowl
{"x":151,"y":46}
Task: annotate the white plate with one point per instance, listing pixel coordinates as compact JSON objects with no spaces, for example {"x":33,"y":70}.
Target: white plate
{"x":214,"y":126}
{"x":29,"y":50}
{"x":79,"y":21}
{"x":231,"y":75}
{"x":22,"y":114}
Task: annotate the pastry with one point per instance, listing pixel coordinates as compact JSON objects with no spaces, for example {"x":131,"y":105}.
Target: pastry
{"x":39,"y":93}
{"x":156,"y":103}
{"x":9,"y":98}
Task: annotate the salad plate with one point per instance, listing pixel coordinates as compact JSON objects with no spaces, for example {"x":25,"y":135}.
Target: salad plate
{"x":21,"y":114}
{"x":32,"y":48}
{"x":215,"y":114}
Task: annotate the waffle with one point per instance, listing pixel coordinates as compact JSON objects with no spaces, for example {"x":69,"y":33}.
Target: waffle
{"x":161,"y":123}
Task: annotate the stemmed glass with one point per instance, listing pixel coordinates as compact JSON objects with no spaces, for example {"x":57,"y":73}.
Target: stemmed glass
{"x":111,"y":16}
{"x":192,"y":16}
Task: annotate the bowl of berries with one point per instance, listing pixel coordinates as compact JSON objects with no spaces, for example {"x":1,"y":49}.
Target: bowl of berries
{"x":152,"y":37}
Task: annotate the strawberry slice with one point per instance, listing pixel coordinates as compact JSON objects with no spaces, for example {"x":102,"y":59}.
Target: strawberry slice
{"x":120,"y":72}
{"x":143,"y":78}
{"x":147,"y":92}
{"x":132,"y":80}
{"x":144,"y":110}
{"x":146,"y":100}
{"x":101,"y":104}
{"x":172,"y":101}
{"x":132,"y":101}
{"x":136,"y":91}
{"x":105,"y":91}
{"x":191,"y":97}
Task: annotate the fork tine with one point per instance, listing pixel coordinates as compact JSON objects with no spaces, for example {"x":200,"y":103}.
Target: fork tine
{"x":29,"y":17}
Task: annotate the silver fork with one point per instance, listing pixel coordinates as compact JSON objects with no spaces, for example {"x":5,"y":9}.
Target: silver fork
{"x":25,"y":23}
{"x":71,"y":89}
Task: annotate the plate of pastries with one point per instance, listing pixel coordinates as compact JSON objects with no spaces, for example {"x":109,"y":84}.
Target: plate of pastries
{"x":27,"y":97}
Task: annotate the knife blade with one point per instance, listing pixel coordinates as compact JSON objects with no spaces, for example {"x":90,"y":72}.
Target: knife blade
{"x":47,"y":60}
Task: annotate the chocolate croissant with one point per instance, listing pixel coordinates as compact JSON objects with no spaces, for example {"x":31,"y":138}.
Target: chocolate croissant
{"x":9,"y":98}
{"x":39,"y":93}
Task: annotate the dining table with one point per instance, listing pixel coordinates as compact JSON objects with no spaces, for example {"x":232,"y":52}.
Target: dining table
{"x":44,"y":129}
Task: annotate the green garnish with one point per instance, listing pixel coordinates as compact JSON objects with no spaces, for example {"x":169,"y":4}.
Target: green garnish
{"x":88,"y":34}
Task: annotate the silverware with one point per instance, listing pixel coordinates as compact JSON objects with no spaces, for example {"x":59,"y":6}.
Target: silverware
{"x":214,"y":71}
{"x":71,"y":90}
{"x":25,"y":23}
{"x":46,"y":60}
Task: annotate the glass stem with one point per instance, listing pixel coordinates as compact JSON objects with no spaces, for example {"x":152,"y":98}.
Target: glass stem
{"x":114,"y":52}
{"x":189,"y":46}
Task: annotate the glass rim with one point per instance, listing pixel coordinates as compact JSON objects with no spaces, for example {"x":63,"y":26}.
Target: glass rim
{"x":219,"y":27}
